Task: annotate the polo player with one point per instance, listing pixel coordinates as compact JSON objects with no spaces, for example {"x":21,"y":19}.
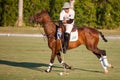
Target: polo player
{"x":67,"y":19}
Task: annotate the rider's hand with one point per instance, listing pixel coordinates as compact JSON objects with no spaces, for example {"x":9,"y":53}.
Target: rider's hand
{"x":64,"y":21}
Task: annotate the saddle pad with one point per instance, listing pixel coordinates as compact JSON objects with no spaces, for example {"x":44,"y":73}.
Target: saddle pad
{"x":74,"y":36}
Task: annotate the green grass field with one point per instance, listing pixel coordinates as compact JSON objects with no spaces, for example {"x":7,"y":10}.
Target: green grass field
{"x":26,"y":58}
{"x":38,"y":30}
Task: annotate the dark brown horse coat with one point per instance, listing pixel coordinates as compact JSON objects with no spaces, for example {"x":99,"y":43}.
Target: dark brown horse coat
{"x":86,"y":35}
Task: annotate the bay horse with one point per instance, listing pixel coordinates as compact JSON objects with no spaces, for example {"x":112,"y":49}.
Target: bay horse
{"x":86,"y":36}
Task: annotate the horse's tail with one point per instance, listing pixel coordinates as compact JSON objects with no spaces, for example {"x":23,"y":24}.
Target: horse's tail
{"x":103,"y":37}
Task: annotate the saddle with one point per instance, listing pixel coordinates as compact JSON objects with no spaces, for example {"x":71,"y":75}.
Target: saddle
{"x":74,"y":34}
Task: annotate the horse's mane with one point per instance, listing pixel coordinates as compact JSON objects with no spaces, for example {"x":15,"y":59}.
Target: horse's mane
{"x":44,"y":12}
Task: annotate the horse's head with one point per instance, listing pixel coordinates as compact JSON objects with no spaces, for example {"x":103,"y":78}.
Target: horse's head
{"x":44,"y":18}
{"x":39,"y":17}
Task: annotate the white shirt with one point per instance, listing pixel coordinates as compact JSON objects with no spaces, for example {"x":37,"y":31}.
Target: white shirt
{"x":67,"y":16}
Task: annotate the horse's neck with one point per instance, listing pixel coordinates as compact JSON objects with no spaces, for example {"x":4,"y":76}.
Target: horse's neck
{"x":49,"y":28}
{"x":47,"y":21}
{"x":46,"y":18}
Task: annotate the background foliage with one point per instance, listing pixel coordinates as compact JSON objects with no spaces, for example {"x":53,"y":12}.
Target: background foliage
{"x":96,"y":13}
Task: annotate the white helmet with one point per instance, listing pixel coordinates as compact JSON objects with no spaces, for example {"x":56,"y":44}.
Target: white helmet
{"x":66,"y":5}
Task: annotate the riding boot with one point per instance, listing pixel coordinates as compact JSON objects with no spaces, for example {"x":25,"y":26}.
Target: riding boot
{"x":66,"y":42}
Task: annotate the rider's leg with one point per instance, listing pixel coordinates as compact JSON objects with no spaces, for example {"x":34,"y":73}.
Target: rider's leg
{"x":66,"y":42}
{"x":67,"y":36}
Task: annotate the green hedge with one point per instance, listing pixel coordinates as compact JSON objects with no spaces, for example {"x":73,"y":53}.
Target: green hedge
{"x":8,"y":12}
{"x":95,"y":13}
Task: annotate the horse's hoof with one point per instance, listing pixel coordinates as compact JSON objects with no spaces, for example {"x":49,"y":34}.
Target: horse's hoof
{"x":71,"y":68}
{"x":68,"y":67}
{"x":106,"y":71}
{"x":47,"y":71}
{"x":110,"y":66}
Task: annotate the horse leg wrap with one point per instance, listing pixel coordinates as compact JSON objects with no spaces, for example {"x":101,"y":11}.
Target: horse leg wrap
{"x":62,"y":62}
{"x":103,"y":63}
{"x":49,"y":67}
{"x":106,"y":62}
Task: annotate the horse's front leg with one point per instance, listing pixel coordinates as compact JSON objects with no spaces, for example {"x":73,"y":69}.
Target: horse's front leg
{"x":51,"y":62}
{"x":62,"y":62}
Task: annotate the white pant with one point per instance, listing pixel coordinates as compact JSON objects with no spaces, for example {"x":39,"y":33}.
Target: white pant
{"x":68,"y":28}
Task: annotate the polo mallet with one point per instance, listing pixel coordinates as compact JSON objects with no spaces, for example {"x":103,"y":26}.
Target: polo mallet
{"x":63,"y":56}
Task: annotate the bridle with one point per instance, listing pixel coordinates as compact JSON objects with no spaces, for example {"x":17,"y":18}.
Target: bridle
{"x":50,"y":36}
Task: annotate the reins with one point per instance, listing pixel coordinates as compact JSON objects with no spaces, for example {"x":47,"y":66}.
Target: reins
{"x":42,"y":33}
{"x":49,"y":35}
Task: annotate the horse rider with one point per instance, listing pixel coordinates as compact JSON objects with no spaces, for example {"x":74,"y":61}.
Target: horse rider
{"x":67,"y":19}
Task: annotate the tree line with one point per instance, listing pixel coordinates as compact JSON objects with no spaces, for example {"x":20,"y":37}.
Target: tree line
{"x":102,"y":14}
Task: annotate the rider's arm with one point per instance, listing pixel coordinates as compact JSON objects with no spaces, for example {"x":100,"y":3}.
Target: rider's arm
{"x":60,"y":23}
{"x":69,"y":21}
{"x":66,"y":21}
{"x":71,"y":18}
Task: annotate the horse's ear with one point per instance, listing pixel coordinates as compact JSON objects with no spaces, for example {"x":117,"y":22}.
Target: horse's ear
{"x":43,"y":10}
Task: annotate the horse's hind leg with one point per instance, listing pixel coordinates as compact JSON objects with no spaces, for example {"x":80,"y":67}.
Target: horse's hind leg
{"x":62,"y":62}
{"x":101,"y":54}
